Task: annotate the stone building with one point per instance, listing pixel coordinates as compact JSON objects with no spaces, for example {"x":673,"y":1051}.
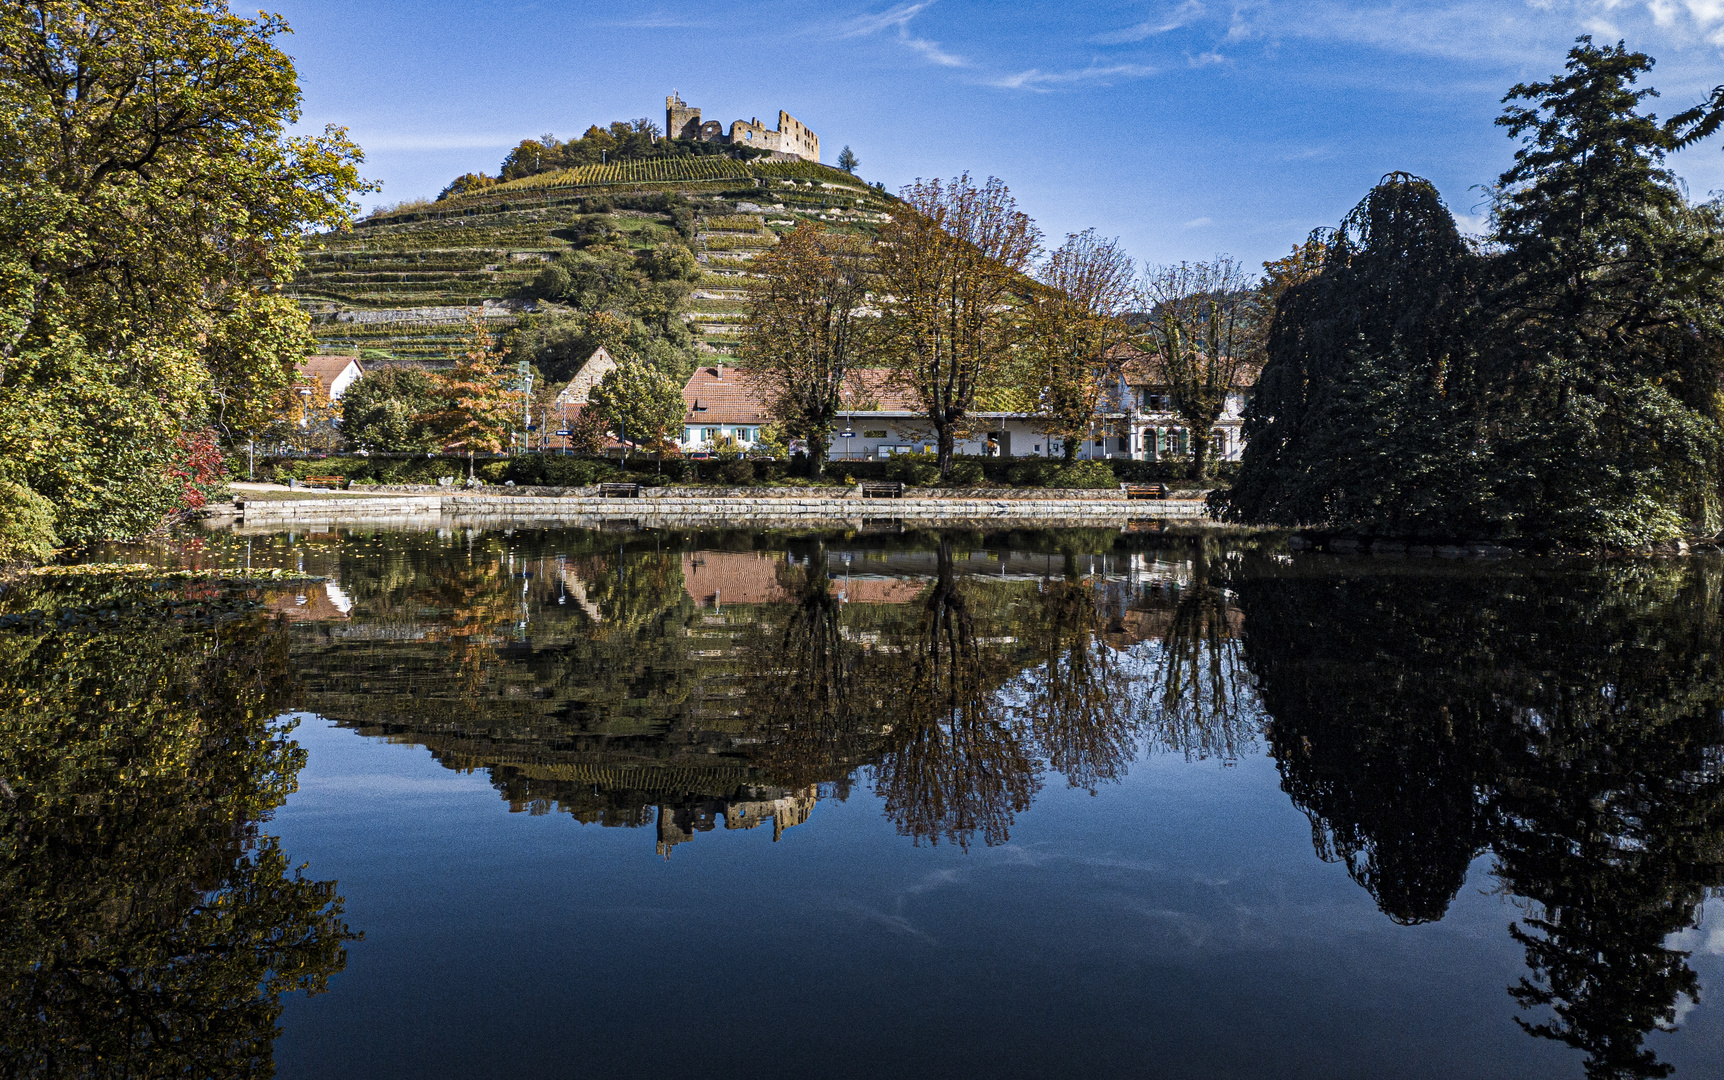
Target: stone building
{"x":791,"y":139}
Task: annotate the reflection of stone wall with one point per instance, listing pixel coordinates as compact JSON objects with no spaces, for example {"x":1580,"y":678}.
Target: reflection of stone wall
{"x":785,"y":809}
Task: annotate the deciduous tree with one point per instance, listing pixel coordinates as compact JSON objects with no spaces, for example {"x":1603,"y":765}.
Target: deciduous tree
{"x":952,"y":261}
{"x":807,"y":325}
{"x":1204,"y":330}
{"x":475,"y":409}
{"x":640,"y":404}
{"x":1068,"y":328}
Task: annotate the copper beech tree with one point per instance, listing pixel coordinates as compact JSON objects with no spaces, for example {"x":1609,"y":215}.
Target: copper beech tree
{"x":952,"y":263}
{"x":805,"y":329}
{"x":1068,"y":328}
{"x":1203,"y":329}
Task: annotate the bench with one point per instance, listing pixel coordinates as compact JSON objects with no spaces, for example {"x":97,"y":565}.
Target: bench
{"x":882,"y":489}
{"x":334,"y":482}
{"x":1144,"y":491}
{"x":619,"y":491}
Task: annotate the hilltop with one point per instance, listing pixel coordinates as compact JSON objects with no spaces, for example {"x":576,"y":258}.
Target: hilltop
{"x":405,"y":279}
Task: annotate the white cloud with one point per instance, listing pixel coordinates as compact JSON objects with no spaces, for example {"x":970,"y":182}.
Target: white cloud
{"x":898,"y":19}
{"x":1183,"y":16}
{"x":1198,"y":223}
{"x":1036,"y":79}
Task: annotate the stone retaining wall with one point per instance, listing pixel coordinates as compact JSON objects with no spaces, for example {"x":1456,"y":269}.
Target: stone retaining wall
{"x":476,"y":511}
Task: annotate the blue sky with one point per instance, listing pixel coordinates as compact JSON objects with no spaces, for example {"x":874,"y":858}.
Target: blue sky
{"x":1186,"y":127}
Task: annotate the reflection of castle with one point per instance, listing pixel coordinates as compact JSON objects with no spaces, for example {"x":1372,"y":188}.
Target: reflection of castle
{"x":791,"y":140}
{"x":783,"y":808}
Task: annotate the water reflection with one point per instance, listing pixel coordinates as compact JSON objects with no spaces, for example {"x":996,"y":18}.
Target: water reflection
{"x":147,"y":926}
{"x":1568,"y":722}
{"x":1564,"y":719}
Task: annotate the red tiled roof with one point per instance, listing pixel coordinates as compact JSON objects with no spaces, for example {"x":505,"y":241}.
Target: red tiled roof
{"x":1140,"y":368}
{"x":718,"y":394}
{"x":325,"y":369}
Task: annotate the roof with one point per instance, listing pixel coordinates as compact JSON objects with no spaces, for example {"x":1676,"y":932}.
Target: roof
{"x":326,"y":369}
{"x":1140,"y":368}
{"x":579,"y":388}
{"x":875,"y":389}
{"x":717,"y":394}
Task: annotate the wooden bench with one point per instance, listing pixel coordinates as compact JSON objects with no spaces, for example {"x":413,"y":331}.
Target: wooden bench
{"x":882,"y":489}
{"x":619,"y":491}
{"x":334,"y":482}
{"x":1144,"y":491}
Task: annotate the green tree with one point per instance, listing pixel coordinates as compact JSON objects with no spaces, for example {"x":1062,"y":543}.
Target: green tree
{"x":151,"y":205}
{"x":382,"y":409}
{"x":848,"y":161}
{"x":1608,"y":332}
{"x":806,"y":328}
{"x":640,"y":404}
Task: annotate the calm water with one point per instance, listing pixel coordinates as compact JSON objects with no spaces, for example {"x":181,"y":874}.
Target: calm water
{"x":732,"y":805}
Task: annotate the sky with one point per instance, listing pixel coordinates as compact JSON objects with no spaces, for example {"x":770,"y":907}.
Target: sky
{"x":1187,"y":128}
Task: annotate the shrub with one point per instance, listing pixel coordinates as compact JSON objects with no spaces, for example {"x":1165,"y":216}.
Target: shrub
{"x":739,"y":471}
{"x":26,"y":525}
{"x":1084,"y":474}
{"x":966,"y":474}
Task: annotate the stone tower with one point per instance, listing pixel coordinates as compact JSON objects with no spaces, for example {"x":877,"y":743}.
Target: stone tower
{"x":680,"y":121}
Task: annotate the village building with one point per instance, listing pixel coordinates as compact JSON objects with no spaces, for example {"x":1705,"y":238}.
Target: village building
{"x":330,"y":375}
{"x":727,"y":406}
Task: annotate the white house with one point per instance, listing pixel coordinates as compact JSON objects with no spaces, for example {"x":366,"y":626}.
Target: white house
{"x":332,"y":374}
{"x":1135,"y":420}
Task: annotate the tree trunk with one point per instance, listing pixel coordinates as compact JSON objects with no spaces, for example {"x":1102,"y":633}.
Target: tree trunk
{"x":1199,"y":453}
{"x":1069,"y":449}
{"x":816,"y":459}
{"x":944,"y":445}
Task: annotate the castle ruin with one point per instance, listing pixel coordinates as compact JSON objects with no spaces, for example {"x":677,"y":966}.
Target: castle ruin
{"x":791,"y":140}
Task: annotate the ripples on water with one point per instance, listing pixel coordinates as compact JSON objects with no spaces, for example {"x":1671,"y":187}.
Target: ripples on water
{"x":1543,"y":733}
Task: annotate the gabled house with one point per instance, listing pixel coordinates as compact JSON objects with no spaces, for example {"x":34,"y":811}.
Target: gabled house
{"x":330,"y":374}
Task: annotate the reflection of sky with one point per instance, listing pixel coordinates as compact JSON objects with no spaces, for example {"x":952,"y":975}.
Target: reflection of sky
{"x":1176,"y":924}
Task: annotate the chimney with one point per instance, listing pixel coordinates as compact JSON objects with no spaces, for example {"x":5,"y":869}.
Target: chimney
{"x":718,"y":372}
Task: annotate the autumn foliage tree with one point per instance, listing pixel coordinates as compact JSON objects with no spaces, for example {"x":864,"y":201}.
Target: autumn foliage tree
{"x":475,"y":410}
{"x":807,"y":323}
{"x":952,"y":262}
{"x":1068,"y":328}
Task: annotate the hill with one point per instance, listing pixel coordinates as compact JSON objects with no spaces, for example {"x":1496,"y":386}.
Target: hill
{"x":406,"y":278}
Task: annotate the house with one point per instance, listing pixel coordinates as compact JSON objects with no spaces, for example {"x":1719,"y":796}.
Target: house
{"x":1135,"y":418}
{"x":571,"y":400}
{"x":332,"y":374}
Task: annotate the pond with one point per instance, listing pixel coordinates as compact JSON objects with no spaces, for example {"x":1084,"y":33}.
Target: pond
{"x":1077,"y":803}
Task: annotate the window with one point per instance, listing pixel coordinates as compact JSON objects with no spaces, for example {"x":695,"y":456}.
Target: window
{"x":1125,"y":444}
{"x":874,"y":433}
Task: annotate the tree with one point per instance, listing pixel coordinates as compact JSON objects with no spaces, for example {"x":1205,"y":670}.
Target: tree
{"x":951,"y":262}
{"x":474,"y":408}
{"x":1607,"y":333}
{"x":806,"y":326}
{"x":1204,"y":331}
{"x":151,"y":207}
{"x":1068,"y":328}
{"x":381,"y":411}
{"x":1366,"y":412}
{"x":640,"y":404}
{"x":848,"y":161}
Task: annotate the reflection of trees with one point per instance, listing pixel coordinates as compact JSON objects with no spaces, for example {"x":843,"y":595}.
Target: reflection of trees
{"x":147,"y":928}
{"x":805,"y":682}
{"x":1567,"y":720}
{"x":1074,"y":699}
{"x":952,"y":764}
{"x":1199,"y":700}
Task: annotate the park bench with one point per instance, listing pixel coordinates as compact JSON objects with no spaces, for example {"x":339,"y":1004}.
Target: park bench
{"x":882,"y":489}
{"x":1144,"y":491}
{"x":619,"y":491}
{"x":333,"y":482}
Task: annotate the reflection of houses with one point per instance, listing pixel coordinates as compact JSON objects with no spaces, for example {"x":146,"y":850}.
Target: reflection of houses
{"x":715,"y":578}
{"x":1135,"y":418}
{"x":784,"y":808}
{"x":314,"y":603}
